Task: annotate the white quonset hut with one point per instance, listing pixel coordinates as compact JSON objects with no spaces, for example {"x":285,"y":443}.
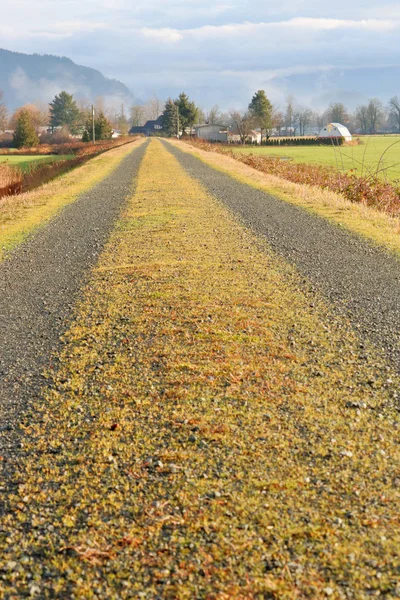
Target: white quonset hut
{"x":335,"y":130}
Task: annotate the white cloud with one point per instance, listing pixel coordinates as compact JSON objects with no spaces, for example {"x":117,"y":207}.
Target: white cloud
{"x":162,"y":35}
{"x":300,"y":25}
{"x":219,"y":51}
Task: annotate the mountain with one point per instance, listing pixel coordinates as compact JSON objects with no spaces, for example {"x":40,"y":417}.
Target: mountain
{"x":350,"y":86}
{"x":28,"y":78}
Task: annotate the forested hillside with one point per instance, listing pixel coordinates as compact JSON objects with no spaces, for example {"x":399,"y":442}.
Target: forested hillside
{"x":33,"y":77}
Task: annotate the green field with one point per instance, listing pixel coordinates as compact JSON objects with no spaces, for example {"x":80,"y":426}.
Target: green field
{"x":26,"y":163}
{"x":368,"y":154}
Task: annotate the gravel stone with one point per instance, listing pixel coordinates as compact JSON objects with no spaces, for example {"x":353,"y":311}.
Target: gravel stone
{"x":360,"y":280}
{"x":39,"y":285}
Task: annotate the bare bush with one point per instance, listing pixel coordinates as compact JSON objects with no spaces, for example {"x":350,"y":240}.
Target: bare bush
{"x":10,"y":180}
{"x":369,"y":189}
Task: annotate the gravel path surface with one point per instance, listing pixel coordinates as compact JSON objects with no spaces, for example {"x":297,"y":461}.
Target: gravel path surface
{"x":362,"y":281}
{"x":39,"y":285}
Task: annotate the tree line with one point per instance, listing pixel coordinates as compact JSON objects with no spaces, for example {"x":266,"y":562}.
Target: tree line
{"x":61,"y":119}
{"x":293,"y":119}
{"x":64,"y":116}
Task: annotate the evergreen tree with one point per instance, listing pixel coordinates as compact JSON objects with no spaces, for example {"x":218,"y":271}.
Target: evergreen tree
{"x":188,"y":112}
{"x":102,"y":128}
{"x":64,"y":111}
{"x":25,"y":135}
{"x":261,"y":110}
{"x":170,"y":118}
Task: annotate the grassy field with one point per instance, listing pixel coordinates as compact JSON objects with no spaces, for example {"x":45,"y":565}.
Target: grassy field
{"x":25,"y":163}
{"x":346,"y":158}
{"x":198,"y":440}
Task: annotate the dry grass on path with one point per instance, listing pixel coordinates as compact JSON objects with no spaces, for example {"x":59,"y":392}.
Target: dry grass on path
{"x":20,"y":215}
{"x":370,"y":223}
{"x":210,"y":434}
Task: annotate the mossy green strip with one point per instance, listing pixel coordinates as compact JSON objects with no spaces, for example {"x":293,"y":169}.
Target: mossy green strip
{"x":369,"y":223}
{"x":211,"y":432}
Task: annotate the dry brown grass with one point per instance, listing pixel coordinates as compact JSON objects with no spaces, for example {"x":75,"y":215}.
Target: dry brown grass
{"x":73,"y":147}
{"x":369,"y":189}
{"x":10,"y":180}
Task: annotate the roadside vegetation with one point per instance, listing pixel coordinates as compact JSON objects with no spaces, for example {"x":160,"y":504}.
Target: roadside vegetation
{"x":10,"y":180}
{"x":21,"y":214}
{"x":362,"y":159}
{"x":377,"y":226}
{"x":212,"y":430}
{"x":21,"y":172}
{"x":368,"y":189}
{"x":28,"y":162}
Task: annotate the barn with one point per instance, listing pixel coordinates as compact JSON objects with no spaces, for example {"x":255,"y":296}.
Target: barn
{"x":212,"y":132}
{"x":335,"y":130}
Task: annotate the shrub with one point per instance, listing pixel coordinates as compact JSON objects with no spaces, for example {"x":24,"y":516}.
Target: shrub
{"x":61,"y":136}
{"x":25,"y":135}
{"x":304,"y":141}
{"x":10,"y":180}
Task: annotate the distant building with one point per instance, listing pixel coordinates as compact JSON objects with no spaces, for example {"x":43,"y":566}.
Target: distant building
{"x":253,"y":137}
{"x":116,"y":134}
{"x":335,"y":130}
{"x":150,"y":128}
{"x":212,"y":133}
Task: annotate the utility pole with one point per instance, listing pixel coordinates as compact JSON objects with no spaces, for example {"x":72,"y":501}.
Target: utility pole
{"x":177,"y":120}
{"x":93,"y":127}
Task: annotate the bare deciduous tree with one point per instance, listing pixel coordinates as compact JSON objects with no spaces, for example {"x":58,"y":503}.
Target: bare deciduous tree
{"x":362,"y":118}
{"x":154,"y":108}
{"x":302,"y":119}
{"x":278,"y":120}
{"x":375,"y":114}
{"x":39,"y":115}
{"x":337,"y":113}
{"x":137,"y":115}
{"x":394,"y":113}
{"x":319,"y":120}
{"x":213,"y":116}
{"x":242,"y":123}
{"x":3,"y":114}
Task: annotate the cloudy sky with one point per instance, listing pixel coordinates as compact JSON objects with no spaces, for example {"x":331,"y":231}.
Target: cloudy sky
{"x":219,"y":51}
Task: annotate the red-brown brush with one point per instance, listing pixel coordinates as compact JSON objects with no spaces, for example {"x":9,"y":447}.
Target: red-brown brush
{"x":370,"y":190}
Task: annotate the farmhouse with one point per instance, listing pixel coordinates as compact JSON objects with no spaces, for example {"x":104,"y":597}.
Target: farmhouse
{"x":335,"y":130}
{"x":212,"y":133}
{"x":150,"y":128}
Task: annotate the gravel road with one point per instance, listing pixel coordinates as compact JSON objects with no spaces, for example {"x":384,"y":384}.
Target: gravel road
{"x":359,"y":279}
{"x":39,"y":285}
